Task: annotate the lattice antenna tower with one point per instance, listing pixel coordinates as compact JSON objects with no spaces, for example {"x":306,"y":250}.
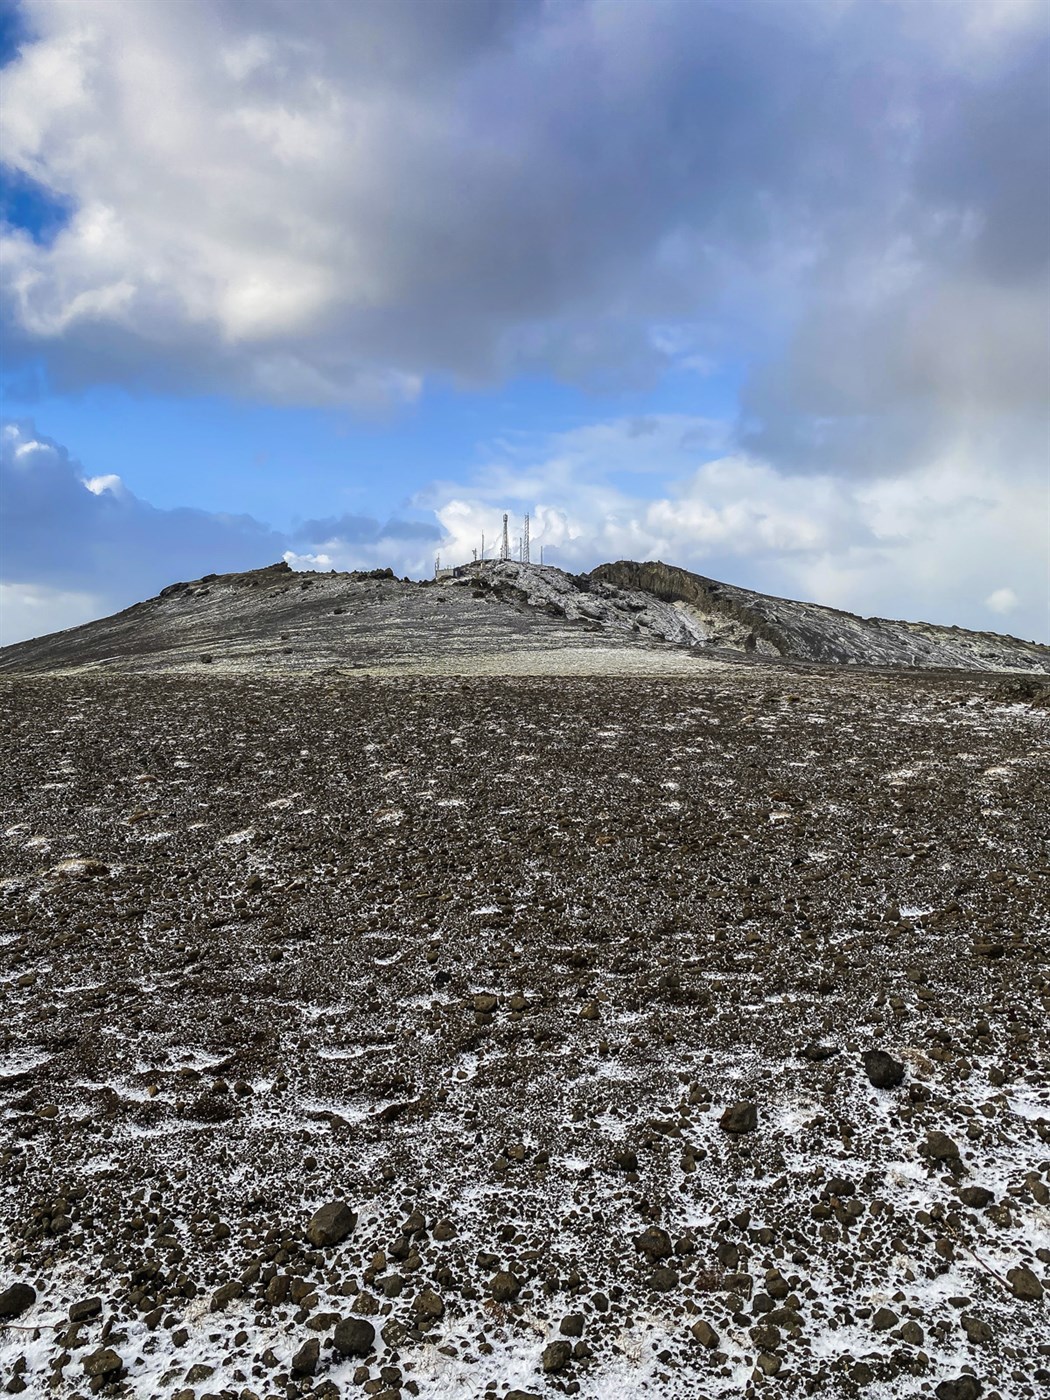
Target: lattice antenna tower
{"x":525,"y":542}
{"x":504,"y":544}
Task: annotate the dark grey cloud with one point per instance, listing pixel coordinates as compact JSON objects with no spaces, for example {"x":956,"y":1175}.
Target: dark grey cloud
{"x":336,"y":200}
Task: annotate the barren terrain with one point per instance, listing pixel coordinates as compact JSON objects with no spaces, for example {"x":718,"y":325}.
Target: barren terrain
{"x":498,"y":616}
{"x":557,"y":991}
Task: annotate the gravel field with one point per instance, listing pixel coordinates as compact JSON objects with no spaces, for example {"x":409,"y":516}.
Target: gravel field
{"x":445,"y":1037}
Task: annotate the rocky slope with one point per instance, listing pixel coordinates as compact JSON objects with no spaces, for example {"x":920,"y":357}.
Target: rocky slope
{"x":461,"y":1040}
{"x":498,"y":617}
{"x":755,"y":622}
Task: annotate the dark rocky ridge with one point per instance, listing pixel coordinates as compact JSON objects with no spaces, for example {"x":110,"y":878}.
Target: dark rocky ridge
{"x":521,"y":619}
{"x":757,"y":622}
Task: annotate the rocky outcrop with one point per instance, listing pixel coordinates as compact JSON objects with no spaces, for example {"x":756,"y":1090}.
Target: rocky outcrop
{"x":758,"y":623}
{"x":276,"y":620}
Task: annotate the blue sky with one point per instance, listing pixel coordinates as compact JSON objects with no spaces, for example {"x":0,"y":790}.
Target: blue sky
{"x":760,"y":290}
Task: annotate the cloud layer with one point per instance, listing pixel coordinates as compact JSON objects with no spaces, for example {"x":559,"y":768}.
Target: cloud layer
{"x":327,"y":203}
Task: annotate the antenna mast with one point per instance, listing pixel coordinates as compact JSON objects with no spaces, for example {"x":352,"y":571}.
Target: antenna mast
{"x":525,"y":543}
{"x":504,"y":546}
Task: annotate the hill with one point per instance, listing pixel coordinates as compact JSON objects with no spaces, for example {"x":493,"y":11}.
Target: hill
{"x":493,"y":618}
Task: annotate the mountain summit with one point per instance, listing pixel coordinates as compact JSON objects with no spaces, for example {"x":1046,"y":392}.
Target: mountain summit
{"x":496,"y":617}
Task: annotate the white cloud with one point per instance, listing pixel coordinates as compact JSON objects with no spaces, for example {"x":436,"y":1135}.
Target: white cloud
{"x":33,"y":610}
{"x":330,"y":203}
{"x":110,"y":482}
{"x":929,"y":544}
{"x":1002,"y":600}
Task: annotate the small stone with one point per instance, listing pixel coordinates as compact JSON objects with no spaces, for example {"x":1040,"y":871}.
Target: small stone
{"x":331,"y":1224}
{"x":977,"y":1331}
{"x":504,"y":1287}
{"x":939,"y":1147}
{"x":354,"y":1337}
{"x":103,"y":1362}
{"x":883,"y":1071}
{"x":739,"y":1117}
{"x":556,"y":1356}
{"x":818,"y":1053}
{"x":572,"y":1325}
{"x":1024,"y":1284}
{"x":884,"y":1319}
{"x":225,"y":1295}
{"x":976,"y":1197}
{"x":428,"y":1305}
{"x":912,"y":1333}
{"x":15,"y":1300}
{"x":963,"y":1388}
{"x":766,"y":1338}
{"x":654,"y":1243}
{"x":663,"y":1280}
{"x":485,"y":1002}
{"x":85,"y":1309}
{"x":705,"y":1334}
{"x":304,"y":1362}
{"x":769,"y":1365}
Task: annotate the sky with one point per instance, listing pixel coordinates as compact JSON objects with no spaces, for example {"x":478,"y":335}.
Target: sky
{"x":760,"y":288}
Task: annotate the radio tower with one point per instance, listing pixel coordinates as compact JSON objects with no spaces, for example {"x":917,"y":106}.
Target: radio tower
{"x":504,"y":546}
{"x":525,"y":543}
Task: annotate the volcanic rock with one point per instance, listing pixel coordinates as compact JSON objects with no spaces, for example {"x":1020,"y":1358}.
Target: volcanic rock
{"x":963,"y":1388}
{"x":14,"y":1301}
{"x":882,"y":1069}
{"x":556,"y":1356}
{"x":103,"y":1362}
{"x":504,"y":1287}
{"x":705,"y":1334}
{"x":654,"y":1243}
{"x":739,"y":1117}
{"x":331,"y":1224}
{"x":939,"y":1147}
{"x":1024,"y":1284}
{"x":354,"y":1337}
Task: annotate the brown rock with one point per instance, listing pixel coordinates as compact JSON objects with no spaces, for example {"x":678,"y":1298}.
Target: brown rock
{"x":1024,"y":1284}
{"x":354,"y":1337}
{"x":654,"y":1243}
{"x":939,"y":1147}
{"x":331,"y":1224}
{"x":705,"y":1334}
{"x":739,"y":1117}
{"x":103,"y":1362}
{"x":556,"y":1356}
